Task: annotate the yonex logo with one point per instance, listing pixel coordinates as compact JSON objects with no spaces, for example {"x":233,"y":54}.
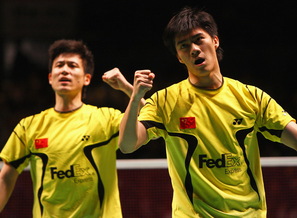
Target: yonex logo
{"x":237,"y":121}
{"x":85,"y":138}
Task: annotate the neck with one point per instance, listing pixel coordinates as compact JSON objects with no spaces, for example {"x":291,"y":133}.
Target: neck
{"x":211,"y":81}
{"x":67,"y":104}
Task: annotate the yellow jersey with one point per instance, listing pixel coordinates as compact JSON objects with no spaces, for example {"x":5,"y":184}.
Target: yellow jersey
{"x":211,"y":144}
{"x":73,"y":161}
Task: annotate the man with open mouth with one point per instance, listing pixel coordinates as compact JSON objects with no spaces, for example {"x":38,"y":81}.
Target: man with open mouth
{"x":210,"y":125}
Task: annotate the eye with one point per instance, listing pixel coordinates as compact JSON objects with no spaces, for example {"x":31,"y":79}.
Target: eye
{"x":72,"y":65}
{"x":59,"y":64}
{"x":183,"y":45}
{"x":198,"y":40}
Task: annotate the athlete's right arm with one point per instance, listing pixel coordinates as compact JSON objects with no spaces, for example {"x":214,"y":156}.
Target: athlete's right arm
{"x":8,"y":178}
{"x":132,"y":133}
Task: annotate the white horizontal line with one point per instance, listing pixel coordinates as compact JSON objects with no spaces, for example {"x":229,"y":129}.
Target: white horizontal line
{"x":142,"y":164}
{"x":279,"y":161}
{"x":162,"y":163}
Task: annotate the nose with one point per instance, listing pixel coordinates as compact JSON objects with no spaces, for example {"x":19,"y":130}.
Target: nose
{"x":195,"y":50}
{"x":65,"y":70}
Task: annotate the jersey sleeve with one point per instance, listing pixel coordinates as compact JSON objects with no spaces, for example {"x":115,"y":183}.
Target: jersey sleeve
{"x":107,"y":122}
{"x":150,"y":116}
{"x":116,"y":117}
{"x":272,"y":118}
{"x":15,"y":151}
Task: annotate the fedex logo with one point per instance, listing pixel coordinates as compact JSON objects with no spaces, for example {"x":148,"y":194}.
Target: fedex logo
{"x":74,"y":171}
{"x":226,"y":160}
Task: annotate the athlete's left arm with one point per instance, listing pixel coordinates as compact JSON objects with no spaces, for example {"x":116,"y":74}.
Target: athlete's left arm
{"x":289,"y":135}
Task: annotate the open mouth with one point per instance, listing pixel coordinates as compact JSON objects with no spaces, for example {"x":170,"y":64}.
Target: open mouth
{"x":64,"y":80}
{"x":199,"y":61}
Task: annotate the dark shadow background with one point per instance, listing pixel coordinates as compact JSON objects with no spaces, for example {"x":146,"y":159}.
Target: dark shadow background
{"x":258,"y":38}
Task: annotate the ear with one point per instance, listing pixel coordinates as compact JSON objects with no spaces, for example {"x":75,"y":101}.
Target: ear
{"x":50,"y":78}
{"x":216,"y":42}
{"x":179,"y":59}
{"x":88,"y":78}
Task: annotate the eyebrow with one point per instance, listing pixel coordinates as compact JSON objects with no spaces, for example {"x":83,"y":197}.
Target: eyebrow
{"x":192,"y":37}
{"x":66,"y":62}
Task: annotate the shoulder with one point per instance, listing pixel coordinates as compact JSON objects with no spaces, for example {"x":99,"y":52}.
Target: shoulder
{"x":101,"y":110}
{"x":167,"y":97}
{"x":178,"y":86}
{"x":234,"y":83}
{"x":247,"y":89}
{"x":173,"y":89}
{"x":37,"y":116}
{"x":250,"y":95}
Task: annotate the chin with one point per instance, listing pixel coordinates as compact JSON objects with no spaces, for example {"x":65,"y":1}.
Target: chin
{"x":62,"y":91}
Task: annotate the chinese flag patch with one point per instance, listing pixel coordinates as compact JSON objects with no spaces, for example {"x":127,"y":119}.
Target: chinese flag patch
{"x":187,"y":123}
{"x":41,"y":143}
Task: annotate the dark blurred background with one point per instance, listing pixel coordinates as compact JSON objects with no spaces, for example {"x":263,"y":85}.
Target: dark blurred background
{"x":258,"y":38}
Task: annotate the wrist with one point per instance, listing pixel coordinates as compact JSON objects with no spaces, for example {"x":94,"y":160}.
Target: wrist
{"x":128,"y":89}
{"x":135,"y":99}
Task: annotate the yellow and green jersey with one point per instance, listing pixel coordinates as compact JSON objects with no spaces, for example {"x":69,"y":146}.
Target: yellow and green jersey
{"x":73,"y":161}
{"x":211,"y":145}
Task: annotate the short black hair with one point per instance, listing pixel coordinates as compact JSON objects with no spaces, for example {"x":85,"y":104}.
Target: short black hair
{"x":72,"y":47}
{"x":185,"y":21}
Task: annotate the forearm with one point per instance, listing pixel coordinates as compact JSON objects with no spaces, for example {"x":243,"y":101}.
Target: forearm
{"x":117,"y":81}
{"x":129,"y":137}
{"x":289,"y":135}
{"x":4,"y":194}
{"x":8,"y":177}
{"x":128,"y":90}
{"x":132,"y":133}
